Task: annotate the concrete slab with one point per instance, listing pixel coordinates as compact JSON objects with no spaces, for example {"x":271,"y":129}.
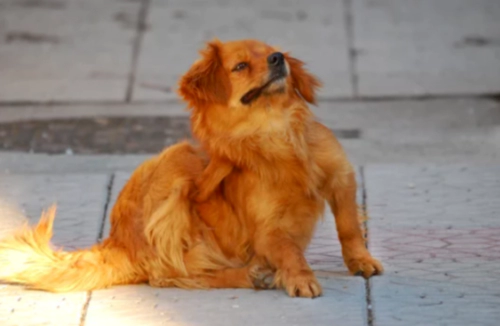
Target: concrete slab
{"x":423,"y":47}
{"x":77,"y":225}
{"x":313,"y":31}
{"x":438,"y":114}
{"x":79,"y":214}
{"x":12,"y":113}
{"x":423,"y":147}
{"x":65,"y":50}
{"x":343,"y":301}
{"x":428,"y":131}
{"x":436,"y":229}
{"x":11,"y":163}
{"x":404,"y":131}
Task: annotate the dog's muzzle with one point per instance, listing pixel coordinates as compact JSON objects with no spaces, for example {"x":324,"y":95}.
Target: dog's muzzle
{"x":277,"y":71}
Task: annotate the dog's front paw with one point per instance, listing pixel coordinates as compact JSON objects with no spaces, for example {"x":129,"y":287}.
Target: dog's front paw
{"x":301,"y":283}
{"x":365,"y":266}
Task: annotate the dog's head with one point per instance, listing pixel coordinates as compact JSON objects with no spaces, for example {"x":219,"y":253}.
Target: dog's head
{"x":240,"y":73}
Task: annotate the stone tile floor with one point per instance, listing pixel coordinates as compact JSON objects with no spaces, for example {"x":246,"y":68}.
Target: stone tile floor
{"x":416,"y":83}
{"x":435,"y":228}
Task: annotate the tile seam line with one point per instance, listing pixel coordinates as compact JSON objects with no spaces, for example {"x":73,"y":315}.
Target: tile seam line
{"x":351,"y":50}
{"x":109,"y":189}
{"x":370,"y":316}
{"x":136,"y":48}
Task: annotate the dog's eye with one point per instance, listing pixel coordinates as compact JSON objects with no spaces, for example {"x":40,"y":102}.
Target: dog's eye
{"x":240,"y":66}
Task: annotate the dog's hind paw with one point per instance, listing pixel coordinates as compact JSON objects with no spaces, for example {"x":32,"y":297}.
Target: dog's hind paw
{"x":262,"y":278}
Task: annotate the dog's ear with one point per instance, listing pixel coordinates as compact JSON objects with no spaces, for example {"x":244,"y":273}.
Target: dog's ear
{"x":303,"y":81}
{"x":206,"y":82}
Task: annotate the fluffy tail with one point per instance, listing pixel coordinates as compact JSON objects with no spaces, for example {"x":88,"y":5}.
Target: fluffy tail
{"x":27,"y":258}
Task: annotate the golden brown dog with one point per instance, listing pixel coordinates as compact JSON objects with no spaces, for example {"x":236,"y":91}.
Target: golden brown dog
{"x":230,"y":213}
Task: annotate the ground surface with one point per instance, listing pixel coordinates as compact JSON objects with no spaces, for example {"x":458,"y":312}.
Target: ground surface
{"x":411,"y":89}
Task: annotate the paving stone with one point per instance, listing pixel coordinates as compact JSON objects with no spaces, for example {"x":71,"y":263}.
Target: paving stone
{"x":19,"y":307}
{"x":343,"y":300}
{"x":80,"y":200}
{"x":313,"y":31}
{"x":115,"y":135}
{"x":403,"y":131}
{"x":65,"y":50}
{"x":342,"y":303}
{"x":406,"y":114}
{"x":423,"y":47}
{"x":406,"y":131}
{"x":13,"y":113}
{"x":11,"y":163}
{"x":436,"y":229}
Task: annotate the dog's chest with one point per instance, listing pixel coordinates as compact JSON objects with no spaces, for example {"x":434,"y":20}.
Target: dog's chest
{"x":285,"y":198}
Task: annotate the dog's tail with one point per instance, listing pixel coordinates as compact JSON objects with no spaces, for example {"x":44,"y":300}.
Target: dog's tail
{"x":27,"y":258}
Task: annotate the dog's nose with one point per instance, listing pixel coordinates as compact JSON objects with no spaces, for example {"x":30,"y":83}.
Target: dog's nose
{"x":276,"y":59}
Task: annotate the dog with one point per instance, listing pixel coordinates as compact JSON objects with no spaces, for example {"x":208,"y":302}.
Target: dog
{"x":235,"y":210}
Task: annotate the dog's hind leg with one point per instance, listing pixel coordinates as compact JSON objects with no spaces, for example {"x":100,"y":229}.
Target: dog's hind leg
{"x":250,"y":277}
{"x":253,"y":277}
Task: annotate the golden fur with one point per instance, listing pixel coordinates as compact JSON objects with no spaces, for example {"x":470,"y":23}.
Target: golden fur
{"x":237,"y":211}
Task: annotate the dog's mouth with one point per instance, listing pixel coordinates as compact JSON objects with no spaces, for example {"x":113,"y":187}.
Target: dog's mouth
{"x":254,"y":93}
